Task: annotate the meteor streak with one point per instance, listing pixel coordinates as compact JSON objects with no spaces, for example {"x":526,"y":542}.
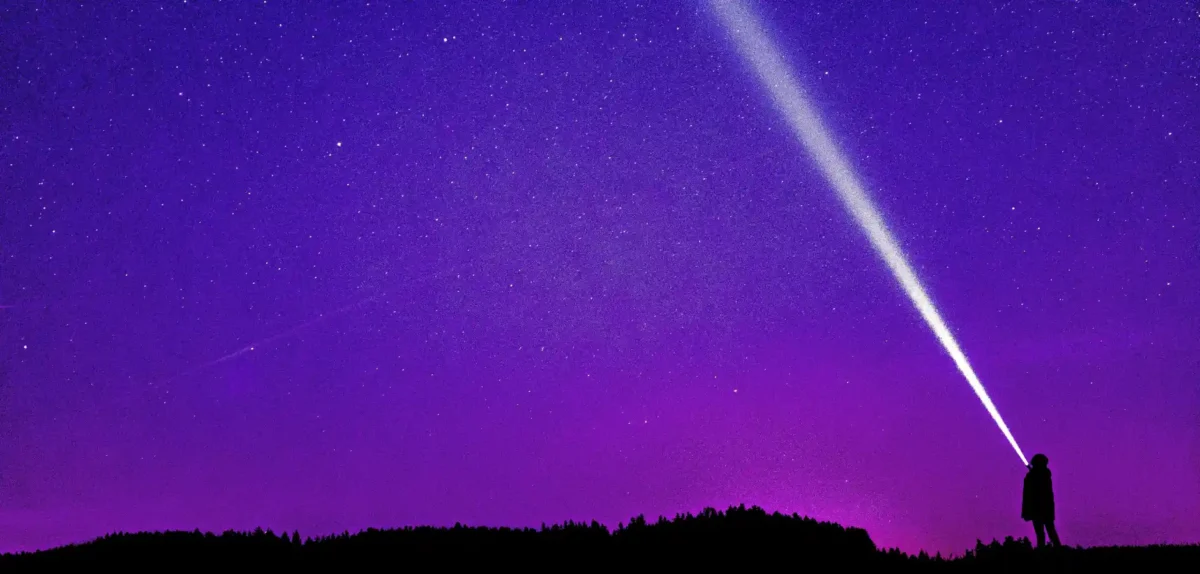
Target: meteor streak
{"x":760,"y":52}
{"x":261,"y":342}
{"x":300,"y":327}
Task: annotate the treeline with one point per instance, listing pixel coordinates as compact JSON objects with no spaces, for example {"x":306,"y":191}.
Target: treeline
{"x":738,"y":537}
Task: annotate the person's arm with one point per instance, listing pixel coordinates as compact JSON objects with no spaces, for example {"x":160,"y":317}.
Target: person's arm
{"x":1025,"y":492}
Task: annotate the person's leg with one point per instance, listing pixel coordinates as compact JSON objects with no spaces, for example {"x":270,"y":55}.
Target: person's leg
{"x":1053,"y":533}
{"x":1040,"y":530}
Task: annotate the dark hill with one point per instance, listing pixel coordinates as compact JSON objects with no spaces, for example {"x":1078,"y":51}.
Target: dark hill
{"x":738,"y":537}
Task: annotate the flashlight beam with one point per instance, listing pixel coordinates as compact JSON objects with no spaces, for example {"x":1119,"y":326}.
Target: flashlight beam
{"x":756,"y":47}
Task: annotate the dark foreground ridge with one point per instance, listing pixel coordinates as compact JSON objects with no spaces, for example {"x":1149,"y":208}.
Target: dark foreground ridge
{"x":738,"y":537}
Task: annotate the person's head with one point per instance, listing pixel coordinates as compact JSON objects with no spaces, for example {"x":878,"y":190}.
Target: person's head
{"x":1039,"y":461}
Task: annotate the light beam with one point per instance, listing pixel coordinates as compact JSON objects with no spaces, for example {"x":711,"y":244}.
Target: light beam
{"x":760,"y":52}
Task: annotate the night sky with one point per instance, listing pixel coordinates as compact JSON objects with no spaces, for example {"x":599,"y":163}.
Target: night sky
{"x":331,"y":265}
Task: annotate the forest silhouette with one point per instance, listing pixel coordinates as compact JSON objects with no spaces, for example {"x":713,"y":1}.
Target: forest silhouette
{"x":739,"y":537}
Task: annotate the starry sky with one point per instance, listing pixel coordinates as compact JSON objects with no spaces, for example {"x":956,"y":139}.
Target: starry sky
{"x":331,"y":265}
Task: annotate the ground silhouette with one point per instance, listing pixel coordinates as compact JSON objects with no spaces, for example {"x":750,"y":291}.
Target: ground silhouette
{"x":738,"y":537}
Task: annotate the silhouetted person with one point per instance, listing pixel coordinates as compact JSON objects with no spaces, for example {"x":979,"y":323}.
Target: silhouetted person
{"x":1037,"y":500}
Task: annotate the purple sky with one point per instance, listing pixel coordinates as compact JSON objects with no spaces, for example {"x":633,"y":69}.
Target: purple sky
{"x":506,"y":263}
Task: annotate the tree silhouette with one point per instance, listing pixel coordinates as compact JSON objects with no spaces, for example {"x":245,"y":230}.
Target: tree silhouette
{"x":740,"y":538}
